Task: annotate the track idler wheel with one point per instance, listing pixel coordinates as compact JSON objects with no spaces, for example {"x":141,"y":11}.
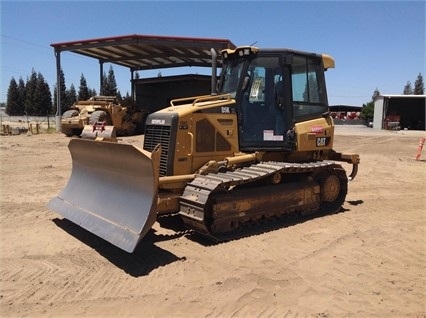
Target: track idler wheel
{"x":330,"y":188}
{"x":334,"y":187}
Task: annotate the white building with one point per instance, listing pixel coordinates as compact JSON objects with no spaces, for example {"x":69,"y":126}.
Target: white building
{"x":403,"y":111}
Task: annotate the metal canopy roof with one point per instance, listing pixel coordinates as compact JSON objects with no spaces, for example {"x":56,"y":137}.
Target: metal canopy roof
{"x":143,"y":52}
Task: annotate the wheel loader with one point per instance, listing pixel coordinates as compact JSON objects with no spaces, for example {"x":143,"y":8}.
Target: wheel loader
{"x":83,"y":115}
{"x":258,"y":148}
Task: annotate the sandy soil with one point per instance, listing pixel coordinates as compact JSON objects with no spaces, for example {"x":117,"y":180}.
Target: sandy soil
{"x":367,"y":261}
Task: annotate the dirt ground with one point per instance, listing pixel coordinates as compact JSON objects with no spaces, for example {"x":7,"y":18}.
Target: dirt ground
{"x":367,"y":261}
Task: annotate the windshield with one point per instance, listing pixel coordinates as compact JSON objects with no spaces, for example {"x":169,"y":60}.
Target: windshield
{"x":230,"y":78}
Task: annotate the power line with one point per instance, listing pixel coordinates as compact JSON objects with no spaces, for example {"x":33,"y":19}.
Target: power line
{"x":38,"y":45}
{"x":24,"y":41}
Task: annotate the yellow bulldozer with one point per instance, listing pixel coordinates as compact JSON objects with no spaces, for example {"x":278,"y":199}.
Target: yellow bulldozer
{"x":258,"y":148}
{"x":83,"y":115}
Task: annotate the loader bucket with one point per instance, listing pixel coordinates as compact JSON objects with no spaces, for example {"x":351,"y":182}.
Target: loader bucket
{"x":112,"y":191}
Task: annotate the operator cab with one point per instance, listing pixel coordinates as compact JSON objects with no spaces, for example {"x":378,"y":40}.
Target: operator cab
{"x":273,"y":89}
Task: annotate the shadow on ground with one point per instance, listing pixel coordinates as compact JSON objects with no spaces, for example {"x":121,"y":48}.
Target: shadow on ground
{"x":141,"y":262}
{"x":148,"y":256}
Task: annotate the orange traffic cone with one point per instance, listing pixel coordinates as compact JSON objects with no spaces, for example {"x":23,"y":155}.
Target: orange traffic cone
{"x":419,"y":151}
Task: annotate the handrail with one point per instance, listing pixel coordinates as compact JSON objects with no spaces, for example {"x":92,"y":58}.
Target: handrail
{"x":211,"y":97}
{"x":184,"y":99}
{"x":197,"y":99}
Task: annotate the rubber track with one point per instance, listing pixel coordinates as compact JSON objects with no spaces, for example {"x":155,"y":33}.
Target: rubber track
{"x":197,"y":193}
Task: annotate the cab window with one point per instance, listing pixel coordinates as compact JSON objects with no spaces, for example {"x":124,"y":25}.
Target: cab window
{"x":261,"y":107}
{"x":309,"y":98}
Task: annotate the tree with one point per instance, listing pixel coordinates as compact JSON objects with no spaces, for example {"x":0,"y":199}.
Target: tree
{"x":419,"y":86}
{"x":36,"y":95}
{"x":63,"y":93}
{"x":83,"y":89}
{"x":71,"y":97}
{"x":367,"y":111}
{"x":46,"y":99}
{"x":92,"y":92}
{"x":12,"y":103}
{"x":22,"y":95}
{"x":109,"y":83}
{"x":55,"y":99}
{"x":31,"y":88}
{"x":42,"y":97}
{"x":407,"y":89}
{"x":31,"y":98}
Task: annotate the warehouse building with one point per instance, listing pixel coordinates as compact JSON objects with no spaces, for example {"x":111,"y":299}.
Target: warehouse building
{"x":396,"y":112}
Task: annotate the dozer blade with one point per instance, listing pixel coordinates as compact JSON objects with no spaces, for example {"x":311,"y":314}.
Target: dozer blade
{"x":112,"y":191}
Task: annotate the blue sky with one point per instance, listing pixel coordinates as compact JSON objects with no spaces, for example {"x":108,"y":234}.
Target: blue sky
{"x":376,"y":44}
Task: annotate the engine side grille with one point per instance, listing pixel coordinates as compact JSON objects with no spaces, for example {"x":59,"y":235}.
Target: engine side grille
{"x":159,"y":134}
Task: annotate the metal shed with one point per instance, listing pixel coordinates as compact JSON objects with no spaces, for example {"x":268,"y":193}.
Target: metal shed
{"x":142,"y":52}
{"x":400,"y":112}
